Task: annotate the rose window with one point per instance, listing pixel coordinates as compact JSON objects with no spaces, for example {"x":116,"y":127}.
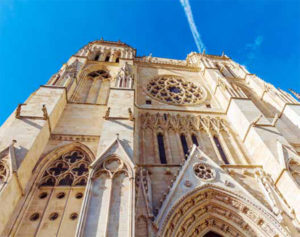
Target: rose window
{"x":172,"y":89}
{"x":204,"y":171}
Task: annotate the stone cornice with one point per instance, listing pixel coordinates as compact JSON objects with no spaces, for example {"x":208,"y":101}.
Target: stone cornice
{"x":72,"y":137}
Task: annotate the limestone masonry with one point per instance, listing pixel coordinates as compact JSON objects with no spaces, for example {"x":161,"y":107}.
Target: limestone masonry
{"x":117,"y":145}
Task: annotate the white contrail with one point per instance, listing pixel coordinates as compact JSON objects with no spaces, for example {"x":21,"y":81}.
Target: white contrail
{"x":188,"y":12}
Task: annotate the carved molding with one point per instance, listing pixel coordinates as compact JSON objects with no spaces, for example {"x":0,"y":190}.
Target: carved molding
{"x":234,"y":210}
{"x":79,"y":138}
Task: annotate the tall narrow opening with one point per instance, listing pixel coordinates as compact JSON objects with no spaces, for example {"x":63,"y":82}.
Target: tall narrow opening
{"x":97,"y":57}
{"x":194,"y":139}
{"x":184,"y":145}
{"x":107,"y":58}
{"x":161,"y":148}
{"x":220,"y":149}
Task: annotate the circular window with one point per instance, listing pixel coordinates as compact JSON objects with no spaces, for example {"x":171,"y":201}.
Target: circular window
{"x":34,"y":216}
{"x":174,"y":90}
{"x":53,"y":216}
{"x":79,"y":195}
{"x":73,"y":216}
{"x":205,"y":172}
{"x":61,"y":195}
{"x":43,"y":195}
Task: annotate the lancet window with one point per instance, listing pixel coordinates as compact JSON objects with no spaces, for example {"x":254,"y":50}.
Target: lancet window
{"x":107,"y":57}
{"x":56,"y":197}
{"x":161,"y":148}
{"x":220,"y":149}
{"x":184,"y":145}
{"x":180,"y":132}
{"x":110,"y":195}
{"x":194,"y":139}
{"x":97,"y":56}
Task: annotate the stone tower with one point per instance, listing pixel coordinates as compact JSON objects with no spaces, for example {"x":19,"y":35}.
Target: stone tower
{"x":120,"y":145}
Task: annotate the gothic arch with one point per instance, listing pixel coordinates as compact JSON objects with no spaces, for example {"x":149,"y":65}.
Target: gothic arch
{"x":91,"y":68}
{"x":294,"y":169}
{"x":56,"y":192}
{"x":108,"y":198}
{"x":93,"y":85}
{"x":210,"y":208}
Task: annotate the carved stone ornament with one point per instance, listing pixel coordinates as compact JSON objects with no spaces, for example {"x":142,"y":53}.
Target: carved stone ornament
{"x":4,"y":170}
{"x":71,"y":169}
{"x":174,"y":90}
{"x":204,"y":172}
{"x":188,"y":183}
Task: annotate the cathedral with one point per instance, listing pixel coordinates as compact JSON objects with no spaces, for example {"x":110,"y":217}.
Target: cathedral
{"x":119,"y":145}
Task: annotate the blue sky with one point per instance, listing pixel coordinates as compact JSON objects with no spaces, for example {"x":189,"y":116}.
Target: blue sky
{"x":37,"y":37}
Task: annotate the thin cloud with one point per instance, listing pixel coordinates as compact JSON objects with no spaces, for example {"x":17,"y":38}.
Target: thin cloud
{"x":252,"y":48}
{"x":188,"y":12}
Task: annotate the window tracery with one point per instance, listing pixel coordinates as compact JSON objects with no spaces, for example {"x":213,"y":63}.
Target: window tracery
{"x":174,"y":90}
{"x":70,"y":169}
{"x":205,"y":172}
{"x":99,"y":73}
{"x":4,"y":170}
{"x":60,"y":184}
{"x":92,"y":87}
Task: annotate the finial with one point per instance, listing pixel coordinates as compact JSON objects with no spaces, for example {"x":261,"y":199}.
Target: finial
{"x":45,"y":113}
{"x":117,"y":134}
{"x":203,"y":53}
{"x":223,"y":54}
{"x":106,"y":116}
{"x":102,"y":38}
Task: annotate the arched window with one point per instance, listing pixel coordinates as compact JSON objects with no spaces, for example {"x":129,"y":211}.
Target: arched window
{"x":60,"y":185}
{"x":220,"y":149}
{"x":161,"y":148}
{"x":194,"y":139}
{"x":97,"y":56}
{"x":107,"y":58}
{"x":117,"y":60}
{"x":184,"y":145}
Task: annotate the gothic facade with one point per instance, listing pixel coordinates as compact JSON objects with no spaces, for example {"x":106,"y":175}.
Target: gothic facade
{"x":120,"y":145}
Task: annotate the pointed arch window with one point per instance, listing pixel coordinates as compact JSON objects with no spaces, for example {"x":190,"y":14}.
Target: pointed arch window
{"x":107,"y":58}
{"x":61,"y":182}
{"x":221,"y":151}
{"x":184,"y":145}
{"x":161,"y":148}
{"x":97,"y":57}
{"x":194,"y":139}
